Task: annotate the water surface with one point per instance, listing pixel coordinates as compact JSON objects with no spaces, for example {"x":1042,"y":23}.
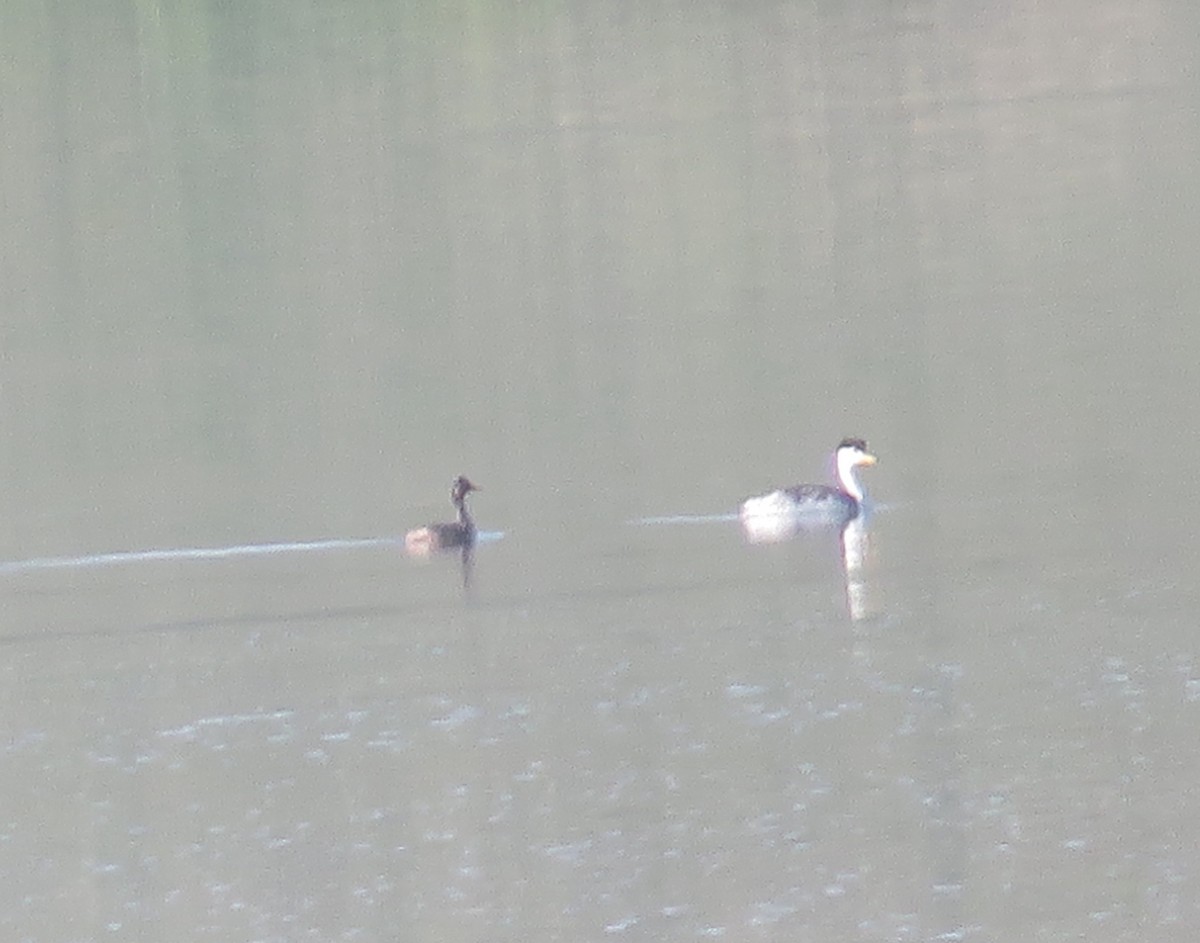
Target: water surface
{"x":274,"y":274}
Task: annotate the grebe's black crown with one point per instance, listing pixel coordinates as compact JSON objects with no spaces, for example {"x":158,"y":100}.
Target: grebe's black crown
{"x":460,"y":488}
{"x":859,"y":444}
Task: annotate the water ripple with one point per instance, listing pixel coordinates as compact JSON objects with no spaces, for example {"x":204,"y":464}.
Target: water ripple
{"x":126,"y":557}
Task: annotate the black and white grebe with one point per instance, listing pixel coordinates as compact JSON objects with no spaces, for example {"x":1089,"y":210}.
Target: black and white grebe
{"x":460,"y":533}
{"x":788,"y":509}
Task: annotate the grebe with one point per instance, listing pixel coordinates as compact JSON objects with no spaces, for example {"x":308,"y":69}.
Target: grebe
{"x":460,"y":533}
{"x":776,"y":514}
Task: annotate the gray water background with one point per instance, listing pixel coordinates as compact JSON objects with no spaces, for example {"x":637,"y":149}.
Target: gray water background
{"x":273,"y":273}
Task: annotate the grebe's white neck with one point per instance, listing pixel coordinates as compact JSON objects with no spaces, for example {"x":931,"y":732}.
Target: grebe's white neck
{"x":848,"y":461}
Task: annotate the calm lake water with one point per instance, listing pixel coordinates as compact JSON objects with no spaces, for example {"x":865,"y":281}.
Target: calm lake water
{"x":271,"y":274}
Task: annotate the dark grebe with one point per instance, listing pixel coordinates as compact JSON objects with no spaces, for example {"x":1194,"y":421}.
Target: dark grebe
{"x":775,"y":514}
{"x":460,"y":533}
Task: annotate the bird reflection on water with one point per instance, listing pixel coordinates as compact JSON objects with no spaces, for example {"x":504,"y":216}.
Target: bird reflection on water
{"x":854,"y":545}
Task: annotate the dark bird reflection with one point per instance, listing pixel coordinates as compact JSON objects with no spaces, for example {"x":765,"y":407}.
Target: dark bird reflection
{"x":466,"y":560}
{"x":468,"y":566}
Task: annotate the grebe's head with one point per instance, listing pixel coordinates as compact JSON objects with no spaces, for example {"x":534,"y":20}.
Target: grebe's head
{"x":461,"y":488}
{"x":852,"y":452}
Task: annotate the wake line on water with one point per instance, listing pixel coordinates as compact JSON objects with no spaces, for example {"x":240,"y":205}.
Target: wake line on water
{"x":685,"y":519}
{"x":188,"y":553}
{"x":124,"y":557}
{"x":717,"y":518}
